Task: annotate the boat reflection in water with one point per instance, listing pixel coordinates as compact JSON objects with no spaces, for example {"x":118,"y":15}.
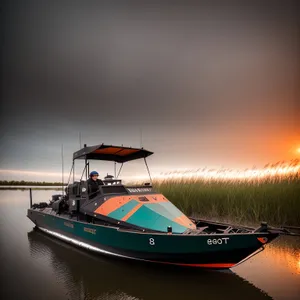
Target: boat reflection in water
{"x":88,"y":276}
{"x":276,"y":270}
{"x":282,"y":254}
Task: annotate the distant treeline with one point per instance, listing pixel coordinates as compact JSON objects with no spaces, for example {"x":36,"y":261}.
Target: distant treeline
{"x":33,"y":183}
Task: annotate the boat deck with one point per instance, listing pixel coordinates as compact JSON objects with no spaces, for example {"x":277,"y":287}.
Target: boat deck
{"x":202,"y":226}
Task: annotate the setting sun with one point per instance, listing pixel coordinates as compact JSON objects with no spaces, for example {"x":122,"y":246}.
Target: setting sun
{"x":298,"y":150}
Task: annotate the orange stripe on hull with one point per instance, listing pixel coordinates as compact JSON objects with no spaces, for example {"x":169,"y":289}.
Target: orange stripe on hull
{"x":263,"y":240}
{"x":112,"y":204}
{"x":125,"y":218}
{"x":185,"y":221}
{"x":226,"y":265}
{"x":209,"y":265}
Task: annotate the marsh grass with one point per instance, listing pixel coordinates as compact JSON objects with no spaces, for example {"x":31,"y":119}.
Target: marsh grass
{"x":275,"y":199}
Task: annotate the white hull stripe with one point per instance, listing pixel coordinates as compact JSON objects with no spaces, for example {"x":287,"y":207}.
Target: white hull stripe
{"x":85,"y":245}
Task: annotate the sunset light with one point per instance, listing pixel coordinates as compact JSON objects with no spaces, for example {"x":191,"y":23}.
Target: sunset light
{"x":272,"y":171}
{"x":297,"y":266}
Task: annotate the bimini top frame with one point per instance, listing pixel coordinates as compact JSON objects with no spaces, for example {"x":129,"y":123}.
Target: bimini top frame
{"x":118,"y":154}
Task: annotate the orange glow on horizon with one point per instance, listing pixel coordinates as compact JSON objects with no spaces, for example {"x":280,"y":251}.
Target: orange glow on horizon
{"x":276,"y":171}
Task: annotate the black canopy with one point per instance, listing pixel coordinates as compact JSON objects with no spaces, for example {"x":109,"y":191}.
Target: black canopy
{"x":111,"y":153}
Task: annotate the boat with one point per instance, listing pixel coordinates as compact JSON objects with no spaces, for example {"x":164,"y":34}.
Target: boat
{"x":132,"y":282}
{"x":135,"y":222}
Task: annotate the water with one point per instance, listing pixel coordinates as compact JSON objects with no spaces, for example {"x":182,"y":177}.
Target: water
{"x":35,"y":266}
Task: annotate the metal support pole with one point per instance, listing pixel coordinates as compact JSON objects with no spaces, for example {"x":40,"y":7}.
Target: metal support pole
{"x":30,"y":197}
{"x":120,"y":170}
{"x":62,"y":170}
{"x":148,"y":170}
{"x":86,"y":170}
{"x":72,"y":169}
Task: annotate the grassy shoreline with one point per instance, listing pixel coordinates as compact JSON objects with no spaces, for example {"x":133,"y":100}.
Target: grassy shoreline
{"x":29,"y":183}
{"x":271,"y":194}
{"x":244,"y":202}
{"x":26,"y":188}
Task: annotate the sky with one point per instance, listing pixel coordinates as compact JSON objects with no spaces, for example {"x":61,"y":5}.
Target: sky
{"x":199,"y":83}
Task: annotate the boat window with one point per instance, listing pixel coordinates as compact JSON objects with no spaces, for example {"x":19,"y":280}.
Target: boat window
{"x":114,"y":189}
{"x":114,"y":182}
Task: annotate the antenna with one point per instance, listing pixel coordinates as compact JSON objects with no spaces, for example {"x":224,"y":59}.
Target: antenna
{"x":62,"y":168}
{"x":80,"y":140}
{"x":141,"y":137}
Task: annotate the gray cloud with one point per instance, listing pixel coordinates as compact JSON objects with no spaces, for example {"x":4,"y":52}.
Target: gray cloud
{"x":202,"y":74}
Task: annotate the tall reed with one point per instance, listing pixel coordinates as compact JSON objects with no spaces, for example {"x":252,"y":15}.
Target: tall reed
{"x":272,"y":198}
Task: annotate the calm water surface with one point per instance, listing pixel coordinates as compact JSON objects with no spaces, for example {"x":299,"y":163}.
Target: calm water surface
{"x":35,"y":266}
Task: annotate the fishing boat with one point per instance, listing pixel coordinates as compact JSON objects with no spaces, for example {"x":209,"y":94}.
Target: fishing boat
{"x":136,"y":222}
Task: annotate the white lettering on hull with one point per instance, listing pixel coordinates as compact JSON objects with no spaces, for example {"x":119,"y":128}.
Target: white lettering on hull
{"x":219,"y":241}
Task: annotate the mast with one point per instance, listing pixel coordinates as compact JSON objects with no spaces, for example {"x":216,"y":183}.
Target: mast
{"x":62,"y":169}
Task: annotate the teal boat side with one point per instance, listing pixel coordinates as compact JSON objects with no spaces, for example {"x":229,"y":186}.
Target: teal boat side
{"x":147,"y":242}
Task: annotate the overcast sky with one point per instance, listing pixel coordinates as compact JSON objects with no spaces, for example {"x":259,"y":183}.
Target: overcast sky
{"x":208,"y":83}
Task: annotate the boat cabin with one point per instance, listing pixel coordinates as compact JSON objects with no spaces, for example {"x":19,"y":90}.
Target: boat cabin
{"x":135,"y":207}
{"x":77,"y":192}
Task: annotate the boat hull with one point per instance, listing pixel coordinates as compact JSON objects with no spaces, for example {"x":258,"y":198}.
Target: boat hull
{"x":218,"y":251}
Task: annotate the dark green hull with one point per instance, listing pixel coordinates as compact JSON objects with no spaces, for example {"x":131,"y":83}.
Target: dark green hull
{"x":203,"y":250}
